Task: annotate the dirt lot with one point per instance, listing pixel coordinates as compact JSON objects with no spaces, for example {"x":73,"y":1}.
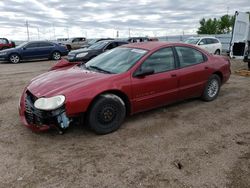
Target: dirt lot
{"x":210,"y":142}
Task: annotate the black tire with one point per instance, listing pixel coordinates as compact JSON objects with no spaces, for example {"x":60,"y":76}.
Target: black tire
{"x":14,"y":58}
{"x":106,"y":114}
{"x":56,"y":55}
{"x":212,"y":88}
{"x":217,"y":52}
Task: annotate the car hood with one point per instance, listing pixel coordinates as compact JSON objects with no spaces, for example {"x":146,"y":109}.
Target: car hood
{"x":8,"y":50}
{"x":63,"y":81}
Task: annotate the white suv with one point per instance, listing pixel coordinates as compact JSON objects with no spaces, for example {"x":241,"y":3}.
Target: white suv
{"x":210,"y":44}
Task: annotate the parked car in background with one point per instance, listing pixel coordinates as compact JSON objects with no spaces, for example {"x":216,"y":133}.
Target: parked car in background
{"x":34,"y":50}
{"x":138,"y":39}
{"x":5,"y":44}
{"x":59,"y":40}
{"x":210,"y":44}
{"x":94,"y":50}
{"x":75,"y":43}
{"x":93,"y":41}
{"x":126,"y":80}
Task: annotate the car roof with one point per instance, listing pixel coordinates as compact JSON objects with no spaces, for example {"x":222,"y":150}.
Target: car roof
{"x":152,"y":45}
{"x":149,"y":45}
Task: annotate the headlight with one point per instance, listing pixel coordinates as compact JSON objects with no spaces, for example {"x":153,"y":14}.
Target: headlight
{"x":3,"y":53}
{"x":82,"y":54}
{"x":51,"y":103}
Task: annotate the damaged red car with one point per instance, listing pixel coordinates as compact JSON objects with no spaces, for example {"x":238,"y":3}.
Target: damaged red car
{"x":120,"y":82}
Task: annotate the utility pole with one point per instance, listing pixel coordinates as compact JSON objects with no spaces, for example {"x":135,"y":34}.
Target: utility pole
{"x":27,"y":26}
{"x":54,"y":31}
{"x":38,"y":33}
{"x":129,"y":32}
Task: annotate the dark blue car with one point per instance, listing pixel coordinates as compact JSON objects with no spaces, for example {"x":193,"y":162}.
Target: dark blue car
{"x":34,"y":50}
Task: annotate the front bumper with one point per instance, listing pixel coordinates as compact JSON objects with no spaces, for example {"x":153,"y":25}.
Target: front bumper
{"x":34,"y":119}
{"x":4,"y":58}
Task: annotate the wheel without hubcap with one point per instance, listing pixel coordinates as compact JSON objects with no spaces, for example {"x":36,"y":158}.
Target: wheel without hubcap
{"x":14,"y":58}
{"x":217,"y":52}
{"x":106,"y":114}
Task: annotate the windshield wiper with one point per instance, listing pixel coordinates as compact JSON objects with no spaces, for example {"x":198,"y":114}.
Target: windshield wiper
{"x":99,"y":69}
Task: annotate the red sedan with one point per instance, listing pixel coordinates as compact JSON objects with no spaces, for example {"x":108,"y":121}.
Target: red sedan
{"x":123,"y":81}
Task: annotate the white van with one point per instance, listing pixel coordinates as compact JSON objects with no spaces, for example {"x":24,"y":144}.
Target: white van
{"x":240,"y":41}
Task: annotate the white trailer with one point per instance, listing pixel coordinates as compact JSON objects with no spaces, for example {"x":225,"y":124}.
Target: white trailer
{"x":240,"y":40}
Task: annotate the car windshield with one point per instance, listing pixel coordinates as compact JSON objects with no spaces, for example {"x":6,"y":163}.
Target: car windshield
{"x":115,"y":61}
{"x":98,"y":45}
{"x":93,"y":41}
{"x":192,"y":41}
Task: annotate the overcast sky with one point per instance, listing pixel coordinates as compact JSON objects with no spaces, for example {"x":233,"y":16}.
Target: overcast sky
{"x":49,"y":19}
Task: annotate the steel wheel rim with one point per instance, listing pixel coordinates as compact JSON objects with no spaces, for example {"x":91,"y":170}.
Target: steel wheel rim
{"x":56,"y":55}
{"x":14,"y":59}
{"x":213,"y":88}
{"x":107,"y":114}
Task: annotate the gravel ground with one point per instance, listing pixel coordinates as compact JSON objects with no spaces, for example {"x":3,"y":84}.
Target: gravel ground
{"x":188,"y":144}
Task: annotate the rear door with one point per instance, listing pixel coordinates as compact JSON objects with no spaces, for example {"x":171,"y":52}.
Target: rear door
{"x":193,"y":72}
{"x":240,"y":35}
{"x":45,"y":49}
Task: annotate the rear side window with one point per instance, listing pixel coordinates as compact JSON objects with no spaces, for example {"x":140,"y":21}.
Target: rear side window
{"x":32,"y":45}
{"x":161,"y":61}
{"x":189,"y":56}
{"x":46,"y":44}
{"x":215,"y":41}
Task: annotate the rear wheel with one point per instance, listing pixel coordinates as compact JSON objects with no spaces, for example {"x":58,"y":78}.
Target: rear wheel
{"x":217,"y":52}
{"x":14,"y":58}
{"x":106,"y":114}
{"x":212,"y":88}
{"x":56,"y":55}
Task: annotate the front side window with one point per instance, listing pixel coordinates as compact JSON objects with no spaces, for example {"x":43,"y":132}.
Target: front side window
{"x":203,"y":42}
{"x":189,"y":56}
{"x":192,"y":41}
{"x":111,"y":46}
{"x":161,"y":61}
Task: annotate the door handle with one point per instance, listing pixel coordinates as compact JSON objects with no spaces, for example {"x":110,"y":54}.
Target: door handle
{"x":173,"y":75}
{"x":206,"y":68}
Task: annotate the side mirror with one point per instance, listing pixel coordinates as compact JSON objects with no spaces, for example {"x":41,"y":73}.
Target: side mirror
{"x":201,"y":43}
{"x":144,"y":72}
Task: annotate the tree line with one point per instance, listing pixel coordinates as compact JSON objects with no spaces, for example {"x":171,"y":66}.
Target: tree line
{"x":222,"y":25}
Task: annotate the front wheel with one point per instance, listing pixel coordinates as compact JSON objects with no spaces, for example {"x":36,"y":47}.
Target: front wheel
{"x":106,"y":114}
{"x":14,"y":58}
{"x":212,"y":88}
{"x":56,"y":55}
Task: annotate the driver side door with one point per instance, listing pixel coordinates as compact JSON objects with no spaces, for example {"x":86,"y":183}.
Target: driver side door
{"x":159,"y":88}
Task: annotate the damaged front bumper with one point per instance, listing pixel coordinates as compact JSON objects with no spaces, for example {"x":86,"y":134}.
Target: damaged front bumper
{"x":40,"y":120}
